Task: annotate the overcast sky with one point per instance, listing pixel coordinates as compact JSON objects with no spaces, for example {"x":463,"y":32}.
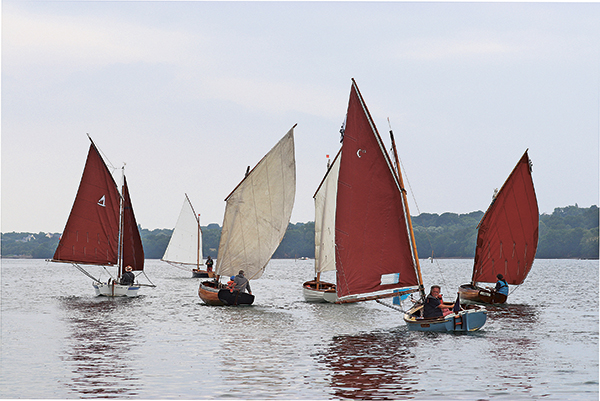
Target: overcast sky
{"x":188,"y":94}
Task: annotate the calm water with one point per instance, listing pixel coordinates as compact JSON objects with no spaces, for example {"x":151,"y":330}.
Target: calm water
{"x":60,"y":341}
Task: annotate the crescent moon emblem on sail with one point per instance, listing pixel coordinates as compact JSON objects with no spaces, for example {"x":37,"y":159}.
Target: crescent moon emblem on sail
{"x":359,"y":151}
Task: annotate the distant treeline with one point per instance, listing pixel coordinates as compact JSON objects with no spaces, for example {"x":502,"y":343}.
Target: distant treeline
{"x":569,"y":232}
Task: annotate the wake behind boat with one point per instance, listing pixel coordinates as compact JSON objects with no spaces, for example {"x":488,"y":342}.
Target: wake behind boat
{"x":507,"y":238}
{"x":256,"y":218}
{"x":101,"y":230}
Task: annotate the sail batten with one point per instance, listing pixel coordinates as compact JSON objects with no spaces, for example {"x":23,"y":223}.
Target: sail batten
{"x":258,"y":211}
{"x":512,"y":218}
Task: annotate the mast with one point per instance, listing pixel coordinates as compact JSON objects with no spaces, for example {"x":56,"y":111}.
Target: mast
{"x":121,"y":223}
{"x":408,"y":218}
{"x":198,"y":250}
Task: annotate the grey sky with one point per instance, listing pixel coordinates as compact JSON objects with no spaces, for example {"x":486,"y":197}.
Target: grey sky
{"x":189,"y":94}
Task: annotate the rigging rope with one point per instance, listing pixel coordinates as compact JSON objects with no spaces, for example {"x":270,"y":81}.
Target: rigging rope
{"x":418,"y":210}
{"x":379,"y":301}
{"x":81,"y":269}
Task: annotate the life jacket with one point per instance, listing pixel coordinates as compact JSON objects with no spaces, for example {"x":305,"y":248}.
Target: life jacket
{"x":230,"y":285}
{"x":503,"y":287}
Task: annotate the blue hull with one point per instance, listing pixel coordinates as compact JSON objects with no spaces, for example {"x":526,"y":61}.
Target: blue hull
{"x":465,"y":320}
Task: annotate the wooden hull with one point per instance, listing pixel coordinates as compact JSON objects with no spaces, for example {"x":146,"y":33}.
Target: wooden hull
{"x":312,"y":294}
{"x":111,"y":289}
{"x":470,"y":293}
{"x":196,"y":273}
{"x":209,"y":293}
{"x":470,"y":319}
{"x":235,"y":298}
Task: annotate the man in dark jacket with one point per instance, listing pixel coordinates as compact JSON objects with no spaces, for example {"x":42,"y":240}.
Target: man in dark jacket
{"x":128,"y":277}
{"x":242,"y":283}
{"x":434,"y":306}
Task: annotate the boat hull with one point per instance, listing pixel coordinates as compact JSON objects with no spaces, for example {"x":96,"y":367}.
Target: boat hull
{"x":208,"y":291}
{"x":471,"y":293}
{"x":111,"y":289}
{"x":235,"y":298}
{"x":312,"y":294}
{"x":196,"y":273}
{"x":471,"y":319}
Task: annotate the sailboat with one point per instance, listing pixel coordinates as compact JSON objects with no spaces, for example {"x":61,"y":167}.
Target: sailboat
{"x":256,"y":218}
{"x":102,"y":230}
{"x":185,"y":245}
{"x":325,"y":199}
{"x":374,"y":245}
{"x":507,"y":237}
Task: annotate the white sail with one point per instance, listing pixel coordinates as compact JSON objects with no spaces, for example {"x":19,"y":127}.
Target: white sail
{"x":325,"y":201}
{"x":185,"y":246}
{"x":258,"y":212}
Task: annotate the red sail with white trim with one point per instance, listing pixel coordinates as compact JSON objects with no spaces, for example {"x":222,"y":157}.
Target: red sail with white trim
{"x":508,"y":232}
{"x":373,"y":250}
{"x":92,"y":230}
{"x":133,"y":252}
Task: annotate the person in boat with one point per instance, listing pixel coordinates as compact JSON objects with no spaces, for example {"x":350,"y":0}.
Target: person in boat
{"x":231,"y":283}
{"x":501,"y":285}
{"x":242,"y":283}
{"x":128,"y":277}
{"x":209,"y":264}
{"x":434,"y":305}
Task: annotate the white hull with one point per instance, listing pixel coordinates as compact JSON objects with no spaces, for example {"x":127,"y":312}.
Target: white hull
{"x":319,"y":291}
{"x":311,"y":295}
{"x":330,"y":297}
{"x":115,"y":290}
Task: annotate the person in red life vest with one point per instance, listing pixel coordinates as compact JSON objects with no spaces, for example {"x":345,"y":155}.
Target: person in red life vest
{"x":231,"y":283}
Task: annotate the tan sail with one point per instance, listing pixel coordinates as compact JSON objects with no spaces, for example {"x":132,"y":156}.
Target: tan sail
{"x":258,"y":212}
{"x":325,"y":201}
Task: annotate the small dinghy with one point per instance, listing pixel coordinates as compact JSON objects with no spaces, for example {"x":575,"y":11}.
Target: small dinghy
{"x":101,"y":230}
{"x":325,"y":200}
{"x":256,"y":218}
{"x":185,"y":246}
{"x":507,"y":238}
{"x":375,"y":249}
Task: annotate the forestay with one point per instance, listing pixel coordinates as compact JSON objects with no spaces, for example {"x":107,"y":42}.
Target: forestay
{"x":258,"y":212}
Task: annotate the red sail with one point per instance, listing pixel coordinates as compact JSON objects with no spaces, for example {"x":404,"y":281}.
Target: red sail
{"x":91,"y":233}
{"x":371,"y":233}
{"x":508,"y":232}
{"x":133,"y":252}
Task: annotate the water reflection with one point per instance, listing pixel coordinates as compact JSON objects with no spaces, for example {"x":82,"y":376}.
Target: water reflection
{"x":513,"y":314}
{"x":372,"y":366}
{"x":102,"y":335}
